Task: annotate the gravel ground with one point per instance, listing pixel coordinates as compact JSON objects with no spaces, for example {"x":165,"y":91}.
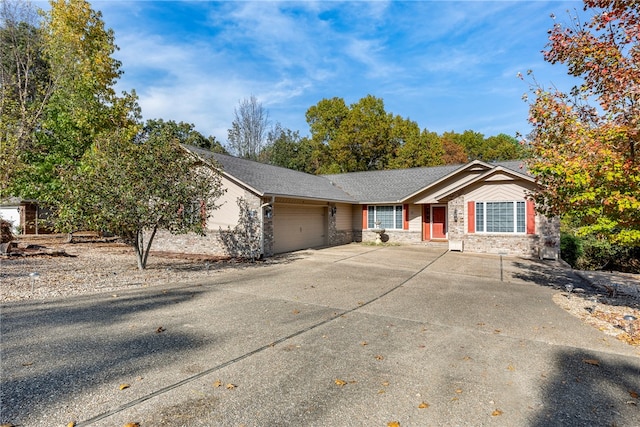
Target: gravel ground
{"x":67,"y":269}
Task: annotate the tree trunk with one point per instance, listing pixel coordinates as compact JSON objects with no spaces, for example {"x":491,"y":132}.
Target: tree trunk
{"x":142,"y":250}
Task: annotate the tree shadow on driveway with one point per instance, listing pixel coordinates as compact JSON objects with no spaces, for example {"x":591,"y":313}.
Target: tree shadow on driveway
{"x":71,"y":355}
{"x":590,"y":389}
{"x":548,"y":273}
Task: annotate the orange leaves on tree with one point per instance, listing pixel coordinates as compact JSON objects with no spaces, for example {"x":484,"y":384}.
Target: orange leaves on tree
{"x":587,"y":158}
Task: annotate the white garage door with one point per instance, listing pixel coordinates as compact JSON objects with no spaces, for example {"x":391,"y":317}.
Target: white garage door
{"x":298,"y":227}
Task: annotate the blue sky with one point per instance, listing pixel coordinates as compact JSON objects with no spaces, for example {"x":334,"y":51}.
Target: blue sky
{"x":446,"y":65}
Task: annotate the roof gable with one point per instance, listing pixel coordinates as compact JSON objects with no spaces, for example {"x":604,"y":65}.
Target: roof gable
{"x":496,"y":174}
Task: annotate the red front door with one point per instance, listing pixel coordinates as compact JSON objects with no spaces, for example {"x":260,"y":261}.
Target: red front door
{"x":439,"y":222}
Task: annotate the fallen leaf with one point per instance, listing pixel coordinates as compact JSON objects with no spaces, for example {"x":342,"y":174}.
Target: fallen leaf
{"x":124,"y":386}
{"x":459,"y":391}
{"x":132,"y":425}
{"x":8,"y":425}
{"x":363,"y":343}
{"x":386,"y":383}
{"x":593,"y":362}
{"x":340,"y":382}
{"x":423,"y":405}
{"x":379,"y":357}
{"x":160,"y":329}
{"x":231,"y":386}
{"x":381,"y":391}
{"x":496,"y":331}
{"x":27,"y":364}
{"x":71,"y":424}
{"x":511,"y":368}
{"x":393,"y":424}
{"x":633,"y":394}
{"x":296,"y":311}
{"x":496,"y":413}
{"x":467,"y":358}
{"x":454,"y":399}
{"x":217,"y":384}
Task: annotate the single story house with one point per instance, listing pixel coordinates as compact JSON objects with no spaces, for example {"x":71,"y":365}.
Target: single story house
{"x":477,"y":207}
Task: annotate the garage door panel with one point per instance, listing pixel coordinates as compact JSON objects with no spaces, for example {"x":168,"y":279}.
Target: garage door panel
{"x":297,"y":227}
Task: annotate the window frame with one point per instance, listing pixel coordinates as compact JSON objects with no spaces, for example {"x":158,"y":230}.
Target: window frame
{"x":397,"y":215}
{"x":485,"y":218}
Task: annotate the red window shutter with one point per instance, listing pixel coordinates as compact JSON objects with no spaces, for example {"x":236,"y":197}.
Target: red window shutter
{"x":405,"y":217}
{"x":364,"y":217}
{"x":531,"y":217}
{"x":471,"y":216}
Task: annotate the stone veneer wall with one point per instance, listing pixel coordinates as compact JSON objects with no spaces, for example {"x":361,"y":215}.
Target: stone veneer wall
{"x":506,"y":244}
{"x":526,"y":245}
{"x":337,"y":237}
{"x":393,"y":236}
{"x":189,"y":243}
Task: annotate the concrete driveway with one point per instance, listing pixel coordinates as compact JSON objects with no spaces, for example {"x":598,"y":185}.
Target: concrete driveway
{"x":345,"y":336}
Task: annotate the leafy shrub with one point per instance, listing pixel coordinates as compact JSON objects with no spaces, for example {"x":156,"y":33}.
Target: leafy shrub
{"x":600,"y":254}
{"x":570,"y":248}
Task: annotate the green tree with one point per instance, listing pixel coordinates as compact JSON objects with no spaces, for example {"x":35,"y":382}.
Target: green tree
{"x":503,"y":147}
{"x":25,"y":85}
{"x":133,"y":189}
{"x":325,"y":118}
{"x":364,"y":140}
{"x":360,"y":137}
{"x":285,"y":148}
{"x":473,"y":143}
{"x":585,"y":156}
{"x":424,"y":150}
{"x":185,"y":133}
{"x":83,"y":104}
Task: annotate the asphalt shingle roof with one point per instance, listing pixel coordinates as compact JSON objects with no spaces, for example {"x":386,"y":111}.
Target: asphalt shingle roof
{"x":275,"y":180}
{"x":397,"y":184}
{"x":368,"y":187}
{"x":389,"y":185}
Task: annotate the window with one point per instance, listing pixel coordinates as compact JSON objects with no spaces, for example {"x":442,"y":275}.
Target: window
{"x":500,"y":217}
{"x":390,"y":217}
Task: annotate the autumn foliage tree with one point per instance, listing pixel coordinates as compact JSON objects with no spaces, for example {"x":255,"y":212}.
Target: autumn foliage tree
{"x":585,"y":143}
